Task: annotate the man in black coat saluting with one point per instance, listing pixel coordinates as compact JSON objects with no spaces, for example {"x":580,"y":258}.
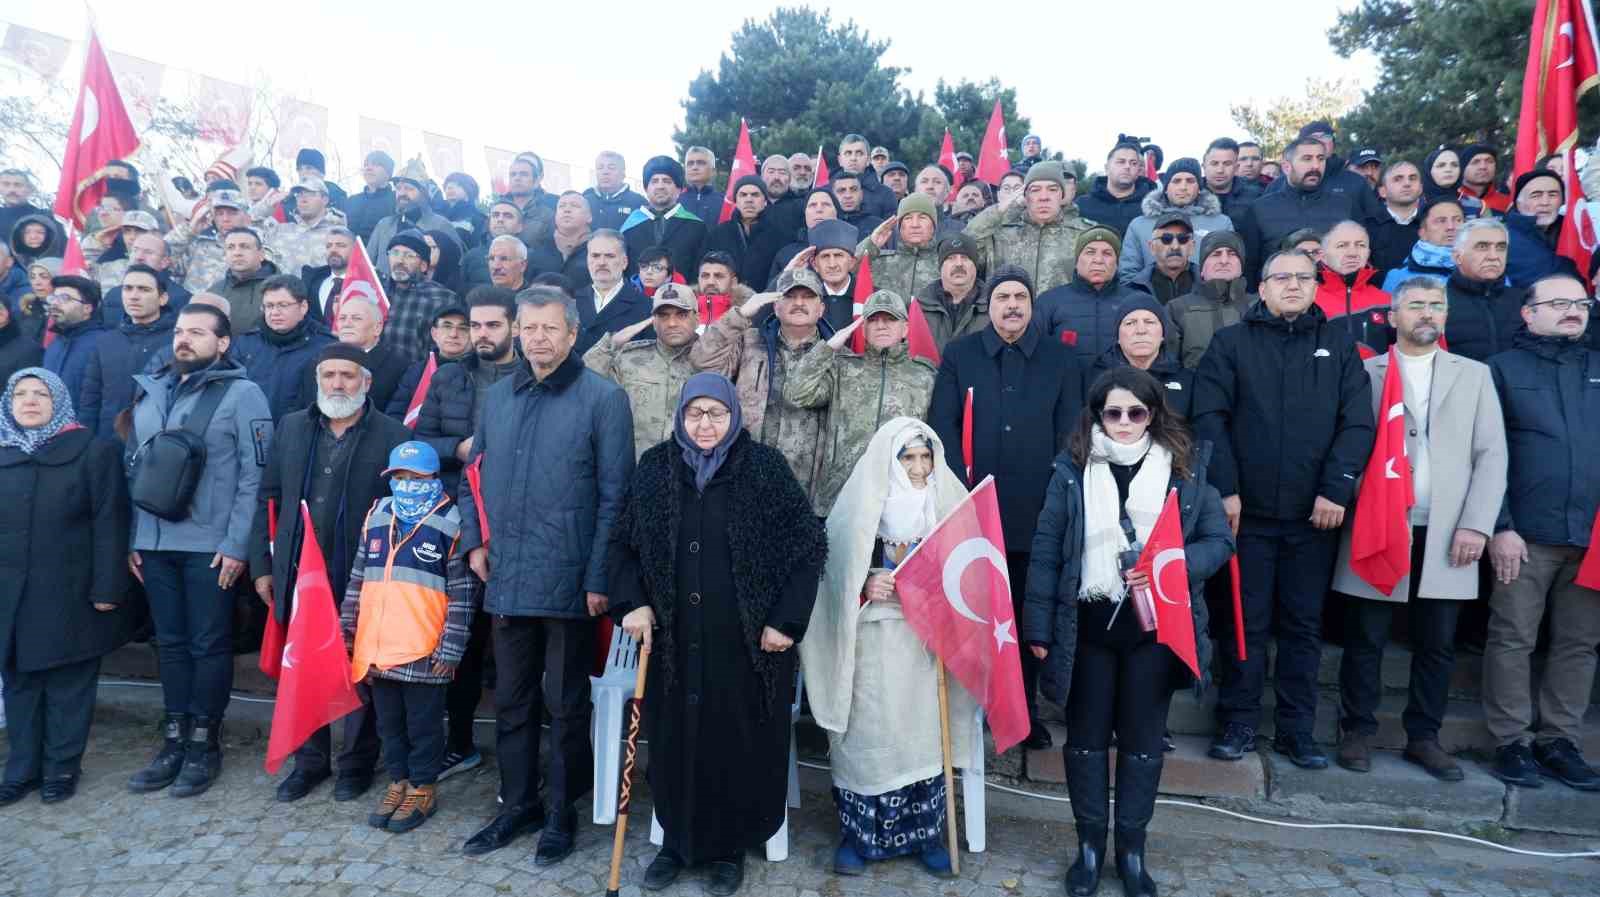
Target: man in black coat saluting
{"x":1287,"y":406}
{"x":1026,"y":394}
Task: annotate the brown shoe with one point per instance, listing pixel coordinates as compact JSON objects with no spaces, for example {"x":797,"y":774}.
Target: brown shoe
{"x":1355,"y":752}
{"x":392,"y":799}
{"x":1431,"y":757}
{"x":414,"y":810}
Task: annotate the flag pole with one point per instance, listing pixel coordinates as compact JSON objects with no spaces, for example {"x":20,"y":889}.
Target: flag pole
{"x":949,"y":772}
{"x":614,"y":884}
{"x":1238,"y":607}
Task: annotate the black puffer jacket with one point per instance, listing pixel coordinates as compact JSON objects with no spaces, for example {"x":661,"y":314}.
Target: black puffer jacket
{"x":1278,"y":213}
{"x":1082,"y":317}
{"x":1099,"y":206}
{"x":17,"y":349}
{"x":1178,"y":379}
{"x":280,"y":363}
{"x":1287,"y":407}
{"x":1484,"y":316}
{"x":448,"y":412}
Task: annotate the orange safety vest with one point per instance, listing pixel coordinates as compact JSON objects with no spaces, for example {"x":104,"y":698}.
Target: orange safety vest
{"x":403,"y":596}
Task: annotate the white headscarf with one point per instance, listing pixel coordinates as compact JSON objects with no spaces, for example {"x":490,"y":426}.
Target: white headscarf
{"x":908,"y":512}
{"x":1103,"y":538}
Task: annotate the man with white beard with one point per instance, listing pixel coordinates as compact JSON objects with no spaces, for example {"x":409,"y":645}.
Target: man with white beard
{"x":331,"y":456}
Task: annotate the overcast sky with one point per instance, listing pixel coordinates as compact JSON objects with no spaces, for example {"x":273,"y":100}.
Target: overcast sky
{"x":570,"y":79}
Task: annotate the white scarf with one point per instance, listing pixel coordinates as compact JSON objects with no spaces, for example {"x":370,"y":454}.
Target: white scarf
{"x":1103,"y":538}
{"x":908,"y":512}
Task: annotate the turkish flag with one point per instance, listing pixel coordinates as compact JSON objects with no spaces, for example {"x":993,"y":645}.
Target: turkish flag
{"x":101,"y":131}
{"x":474,"y":474}
{"x":1380,"y":535}
{"x":819,"y":178}
{"x":966,"y":434}
{"x":1589,"y":570}
{"x":315,"y":687}
{"x":864,"y":289}
{"x":956,"y":596}
{"x":947,"y":158}
{"x":993,"y":163}
{"x":744,"y":163}
{"x":360,"y":279}
{"x":270,"y":661}
{"x":1166,"y":564}
{"x":414,"y":410}
{"x":919,"y":336}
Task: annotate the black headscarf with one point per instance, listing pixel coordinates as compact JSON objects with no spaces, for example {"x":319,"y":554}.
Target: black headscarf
{"x":706,"y":462}
{"x":1430,"y":187}
{"x":448,"y":272}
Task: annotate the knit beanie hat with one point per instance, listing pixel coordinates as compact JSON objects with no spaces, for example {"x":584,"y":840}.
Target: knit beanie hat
{"x":312,"y":157}
{"x":1005,"y":273}
{"x":1049,"y":172}
{"x":918,"y":203}
{"x":1180,"y":166}
{"x":664,"y":165}
{"x":1093,"y":234}
{"x":1218,"y":239}
{"x":958,"y":244}
{"x":1142,"y":301}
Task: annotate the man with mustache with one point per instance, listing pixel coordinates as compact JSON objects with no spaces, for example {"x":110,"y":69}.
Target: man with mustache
{"x":1534,"y":224}
{"x":1171,"y":246}
{"x":331,"y":455}
{"x":1027,"y":392}
{"x":955,"y":304}
{"x":449,"y":336}
{"x":1308,"y":199}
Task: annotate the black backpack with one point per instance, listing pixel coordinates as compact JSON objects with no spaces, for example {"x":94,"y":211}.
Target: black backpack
{"x":166,"y":469}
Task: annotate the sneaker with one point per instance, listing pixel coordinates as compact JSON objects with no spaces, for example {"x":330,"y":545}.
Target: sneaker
{"x":391,"y":801}
{"x":455,"y":762}
{"x":1235,"y":740}
{"x":1514,"y":765}
{"x":414,"y":810}
{"x":1301,"y":750}
{"x":1355,"y":752}
{"x":1561,"y":760}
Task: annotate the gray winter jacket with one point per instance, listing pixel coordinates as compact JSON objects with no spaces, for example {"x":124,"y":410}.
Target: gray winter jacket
{"x":1204,"y":214}
{"x":237,"y":441}
{"x":378,"y":246}
{"x":557,"y":458}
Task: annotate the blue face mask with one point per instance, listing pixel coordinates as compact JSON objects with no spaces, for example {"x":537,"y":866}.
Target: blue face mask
{"x":413,"y":499}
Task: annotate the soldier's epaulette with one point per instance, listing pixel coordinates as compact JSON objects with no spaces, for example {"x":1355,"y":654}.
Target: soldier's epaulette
{"x":925,"y":363}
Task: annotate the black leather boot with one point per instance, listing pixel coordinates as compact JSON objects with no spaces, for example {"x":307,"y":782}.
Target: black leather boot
{"x":163,"y":769}
{"x":202,"y":758}
{"x":1138,"y":778}
{"x":1088,"y":775}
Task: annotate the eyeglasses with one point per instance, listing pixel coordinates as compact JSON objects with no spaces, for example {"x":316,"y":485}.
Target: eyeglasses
{"x":404,"y":255}
{"x":696,"y":415}
{"x":1437,"y":308}
{"x":449,"y":327}
{"x":656,"y":267}
{"x":67,"y":297}
{"x":1283,"y":278}
{"x":1566,"y":304}
{"x":1136,"y":415}
{"x":278,"y":306}
{"x":1180,"y":239}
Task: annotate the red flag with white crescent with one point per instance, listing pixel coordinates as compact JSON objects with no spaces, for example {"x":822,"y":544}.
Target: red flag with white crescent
{"x":820,"y":177}
{"x":1380,"y":533}
{"x":1165,"y":562}
{"x":361,"y":279}
{"x":993,"y":162}
{"x":956,"y":594}
{"x":947,"y":158}
{"x":101,"y":131}
{"x":919,"y":336}
{"x":744,"y":163}
{"x":414,"y":410}
{"x":858,"y":300}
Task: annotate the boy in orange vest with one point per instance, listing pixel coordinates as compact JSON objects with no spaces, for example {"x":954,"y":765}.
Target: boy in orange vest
{"x":416,"y":603}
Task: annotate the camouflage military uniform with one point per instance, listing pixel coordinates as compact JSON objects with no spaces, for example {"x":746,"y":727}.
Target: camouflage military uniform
{"x":199,"y":255}
{"x":109,"y":274}
{"x":298,"y":245}
{"x":905,"y":271}
{"x":758,"y":360}
{"x":1048,"y":253}
{"x":859,"y":393}
{"x":652,"y":375}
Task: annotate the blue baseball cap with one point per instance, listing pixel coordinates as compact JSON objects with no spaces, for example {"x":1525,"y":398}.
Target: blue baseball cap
{"x":413,"y":456}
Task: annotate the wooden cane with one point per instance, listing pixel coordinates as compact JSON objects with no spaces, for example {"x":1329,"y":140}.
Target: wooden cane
{"x":615,"y":882}
{"x":949,"y":772}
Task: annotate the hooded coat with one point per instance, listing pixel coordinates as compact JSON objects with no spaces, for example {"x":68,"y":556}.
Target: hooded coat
{"x":17,"y":349}
{"x":1098,"y":206}
{"x":1204,"y":214}
{"x":55,"y":243}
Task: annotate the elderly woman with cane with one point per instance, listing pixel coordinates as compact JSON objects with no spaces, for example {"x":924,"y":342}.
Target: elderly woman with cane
{"x":873,"y":686}
{"x":714,"y":570}
{"x":63,"y":580}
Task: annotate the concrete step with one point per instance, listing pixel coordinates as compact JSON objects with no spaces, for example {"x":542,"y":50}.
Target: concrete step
{"x":1187,"y":771}
{"x":1395,"y":792}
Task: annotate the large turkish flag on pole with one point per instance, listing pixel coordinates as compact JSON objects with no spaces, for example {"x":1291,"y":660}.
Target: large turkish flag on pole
{"x":361,"y":279}
{"x":993,"y":163}
{"x":101,"y":131}
{"x":956,"y":596}
{"x":1168,"y":567}
{"x":1380,"y":535}
{"x":947,"y":158}
{"x":744,"y":163}
{"x":314,"y":688}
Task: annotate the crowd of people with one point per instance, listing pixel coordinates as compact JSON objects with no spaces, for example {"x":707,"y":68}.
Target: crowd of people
{"x":704,"y":432}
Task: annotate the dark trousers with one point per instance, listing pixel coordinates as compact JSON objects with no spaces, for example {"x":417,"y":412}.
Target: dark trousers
{"x":358,"y":755}
{"x":1121,"y":682}
{"x":194,"y":631}
{"x":47,"y":718}
{"x":411,"y":721}
{"x":1284,"y":569}
{"x":1017,"y":572}
{"x":461,"y":702}
{"x":1433,"y":632}
{"x":526,"y":650}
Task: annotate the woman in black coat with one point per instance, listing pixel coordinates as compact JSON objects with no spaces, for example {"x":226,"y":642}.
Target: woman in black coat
{"x":1129,"y":451}
{"x":714,"y":570}
{"x":63,"y":580}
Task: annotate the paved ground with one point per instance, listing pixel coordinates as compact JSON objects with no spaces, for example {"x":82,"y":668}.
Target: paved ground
{"x":236,"y":840}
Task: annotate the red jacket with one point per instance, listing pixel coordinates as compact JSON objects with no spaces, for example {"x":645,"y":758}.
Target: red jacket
{"x":1493,"y":198}
{"x":1356,"y":304}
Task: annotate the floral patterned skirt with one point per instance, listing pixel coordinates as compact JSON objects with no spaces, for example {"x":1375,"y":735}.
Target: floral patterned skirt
{"x":903,"y":822}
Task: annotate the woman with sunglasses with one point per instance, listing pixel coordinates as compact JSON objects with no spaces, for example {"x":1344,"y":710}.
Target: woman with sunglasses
{"x":1104,"y":498}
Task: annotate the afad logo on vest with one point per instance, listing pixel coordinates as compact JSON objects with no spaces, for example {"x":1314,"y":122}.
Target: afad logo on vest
{"x":427,"y":552}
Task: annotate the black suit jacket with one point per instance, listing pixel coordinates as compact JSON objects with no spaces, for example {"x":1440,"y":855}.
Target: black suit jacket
{"x":629,"y":306}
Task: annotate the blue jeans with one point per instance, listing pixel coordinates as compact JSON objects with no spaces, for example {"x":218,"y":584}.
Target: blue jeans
{"x":194,"y":631}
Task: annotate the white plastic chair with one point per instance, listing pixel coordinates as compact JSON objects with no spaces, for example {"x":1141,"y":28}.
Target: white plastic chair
{"x":610,"y":692}
{"x":778,"y":844}
{"x":972,"y":793}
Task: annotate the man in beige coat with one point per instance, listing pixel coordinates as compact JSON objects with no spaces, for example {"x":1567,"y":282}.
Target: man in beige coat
{"x":1456,"y":443}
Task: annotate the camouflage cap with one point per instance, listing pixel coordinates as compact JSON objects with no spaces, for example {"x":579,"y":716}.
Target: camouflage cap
{"x":673,"y":295}
{"x":799,"y":277}
{"x":314,"y":184}
{"x":885,"y":302}
{"x":141,"y":219}
{"x":229,"y":199}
